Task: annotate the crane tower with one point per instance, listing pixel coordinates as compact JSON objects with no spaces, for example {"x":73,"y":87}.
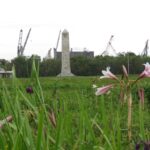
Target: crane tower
{"x":20,"y":47}
{"x":145,"y":50}
{"x":109,"y":45}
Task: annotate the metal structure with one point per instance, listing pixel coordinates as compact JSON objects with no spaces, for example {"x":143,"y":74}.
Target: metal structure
{"x":48,"y":56}
{"x":49,"y":53}
{"x":145,"y":50}
{"x":21,"y":48}
{"x":57,"y":43}
{"x":109,"y":45}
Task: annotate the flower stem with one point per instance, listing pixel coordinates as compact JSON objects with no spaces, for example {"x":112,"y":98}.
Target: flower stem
{"x":129,"y":116}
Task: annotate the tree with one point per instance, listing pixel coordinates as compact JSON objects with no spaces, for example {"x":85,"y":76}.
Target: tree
{"x":20,"y":64}
{"x":50,"y":67}
{"x":5,"y":64}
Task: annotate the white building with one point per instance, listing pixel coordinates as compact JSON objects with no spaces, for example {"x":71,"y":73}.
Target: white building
{"x":5,"y":74}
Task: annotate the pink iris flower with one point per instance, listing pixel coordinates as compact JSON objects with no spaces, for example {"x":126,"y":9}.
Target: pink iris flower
{"x":107,"y":74}
{"x":146,"y":72}
{"x":103,"y":90}
{"x":125,"y":71}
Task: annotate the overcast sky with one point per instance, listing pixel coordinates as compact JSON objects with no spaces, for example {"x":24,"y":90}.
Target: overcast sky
{"x":90,"y":24}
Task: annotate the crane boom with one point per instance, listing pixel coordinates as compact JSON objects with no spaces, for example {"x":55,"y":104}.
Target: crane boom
{"x":106,"y":52}
{"x":145,"y":50}
{"x":58,"y":39}
{"x":20,"y":48}
{"x":55,"y":49}
{"x":26,"y":41}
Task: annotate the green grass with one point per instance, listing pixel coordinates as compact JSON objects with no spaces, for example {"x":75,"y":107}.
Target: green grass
{"x":83,"y":120}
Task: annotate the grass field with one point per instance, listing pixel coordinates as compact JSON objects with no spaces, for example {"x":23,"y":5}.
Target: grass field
{"x":64,"y":113}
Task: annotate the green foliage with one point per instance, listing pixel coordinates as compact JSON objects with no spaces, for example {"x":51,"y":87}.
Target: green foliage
{"x":50,"y":67}
{"x":5,"y":64}
{"x":83,"y":121}
{"x":23,"y":65}
{"x":147,"y":91}
{"x":80,"y":65}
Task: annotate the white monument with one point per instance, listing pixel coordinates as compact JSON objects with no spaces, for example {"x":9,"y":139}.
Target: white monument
{"x":65,"y":55}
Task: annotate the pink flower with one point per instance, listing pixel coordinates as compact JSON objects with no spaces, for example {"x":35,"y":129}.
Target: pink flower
{"x":108,"y":74}
{"x":125,"y":71}
{"x":6,"y":120}
{"x":146,"y":72}
{"x":103,"y":90}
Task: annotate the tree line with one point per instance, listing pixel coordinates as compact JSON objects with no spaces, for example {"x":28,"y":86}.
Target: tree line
{"x":81,"y":66}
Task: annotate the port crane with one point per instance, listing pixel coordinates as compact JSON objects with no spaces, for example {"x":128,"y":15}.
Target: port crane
{"x":49,"y":56}
{"x":20,"y":47}
{"x":109,"y":45}
{"x":145,"y":50}
{"x":55,"y":49}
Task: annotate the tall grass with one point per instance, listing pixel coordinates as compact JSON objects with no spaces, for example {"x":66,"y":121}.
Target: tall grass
{"x":83,"y":121}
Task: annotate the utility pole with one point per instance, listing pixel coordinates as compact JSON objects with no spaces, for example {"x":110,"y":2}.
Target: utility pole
{"x":128,"y":59}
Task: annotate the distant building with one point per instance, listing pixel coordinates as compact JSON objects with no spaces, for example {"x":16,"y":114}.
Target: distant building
{"x":5,"y":74}
{"x":85,"y":53}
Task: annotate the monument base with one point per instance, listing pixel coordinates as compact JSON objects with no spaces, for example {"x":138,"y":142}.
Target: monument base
{"x":63,"y":74}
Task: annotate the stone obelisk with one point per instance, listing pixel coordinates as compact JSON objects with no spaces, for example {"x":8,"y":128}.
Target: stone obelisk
{"x":65,"y":55}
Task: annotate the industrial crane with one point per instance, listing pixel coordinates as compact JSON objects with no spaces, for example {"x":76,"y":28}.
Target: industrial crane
{"x":55,"y":49}
{"x":49,"y":53}
{"x":49,"y":56}
{"x":145,"y":50}
{"x":21,"y":48}
{"x":109,"y":45}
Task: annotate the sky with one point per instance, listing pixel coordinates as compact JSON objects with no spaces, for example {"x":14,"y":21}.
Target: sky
{"x":90,"y":24}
